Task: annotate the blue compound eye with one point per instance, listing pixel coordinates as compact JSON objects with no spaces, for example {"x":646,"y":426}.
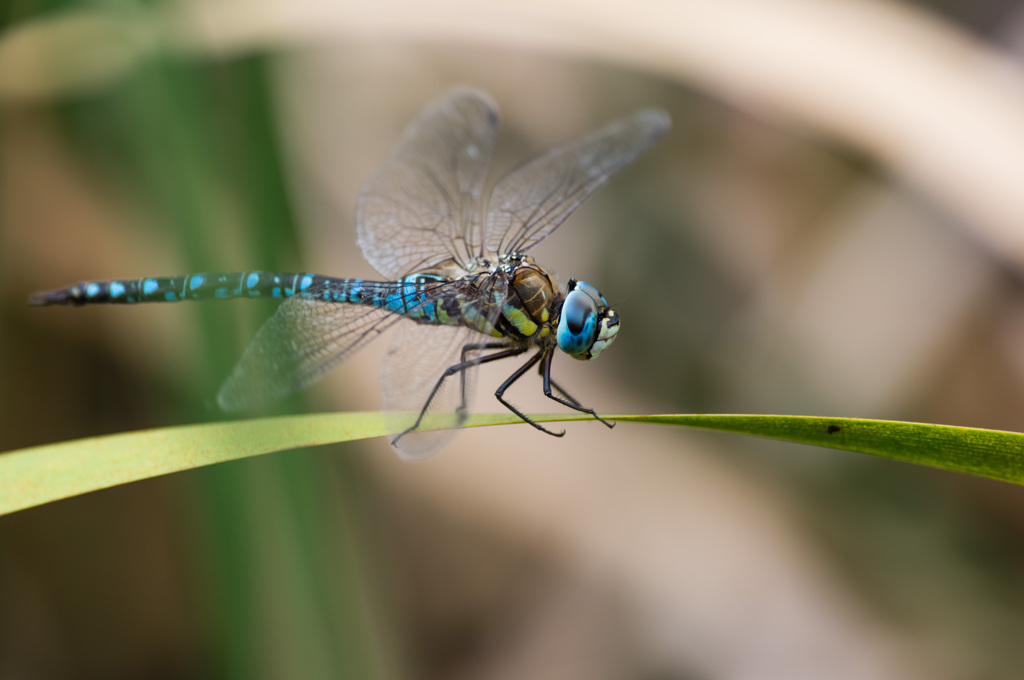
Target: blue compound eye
{"x":586,"y":325}
{"x":591,"y":291}
{"x":577,"y":327}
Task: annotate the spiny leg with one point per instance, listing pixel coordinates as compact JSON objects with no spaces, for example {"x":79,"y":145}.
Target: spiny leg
{"x":558,"y":388}
{"x":545,"y":370}
{"x":459,"y":368}
{"x":499,"y":393}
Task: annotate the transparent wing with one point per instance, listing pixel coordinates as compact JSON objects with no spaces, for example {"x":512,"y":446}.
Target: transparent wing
{"x":532,"y":201}
{"x":304,"y":339}
{"x":416,"y":359}
{"x":308,"y":336}
{"x":423,"y":206}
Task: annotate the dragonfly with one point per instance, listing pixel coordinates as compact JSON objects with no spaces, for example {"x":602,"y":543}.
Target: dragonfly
{"x":458,"y":283}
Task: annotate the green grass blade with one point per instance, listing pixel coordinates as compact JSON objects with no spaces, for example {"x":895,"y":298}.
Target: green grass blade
{"x":994,"y":454}
{"x":41,"y":474}
{"x":38,"y":475}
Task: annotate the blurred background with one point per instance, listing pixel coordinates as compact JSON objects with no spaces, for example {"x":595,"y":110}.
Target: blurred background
{"x":834,"y":226}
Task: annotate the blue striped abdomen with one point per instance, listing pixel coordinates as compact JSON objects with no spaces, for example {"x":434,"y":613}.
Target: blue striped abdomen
{"x":218,"y":286}
{"x":415,"y":297}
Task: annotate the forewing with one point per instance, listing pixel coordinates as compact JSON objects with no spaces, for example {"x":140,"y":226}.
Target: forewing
{"x":423,"y":206}
{"x":532,"y":201}
{"x":304,"y":339}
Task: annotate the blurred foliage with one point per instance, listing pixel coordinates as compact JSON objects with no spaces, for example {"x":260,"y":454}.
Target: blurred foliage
{"x":182,"y":138}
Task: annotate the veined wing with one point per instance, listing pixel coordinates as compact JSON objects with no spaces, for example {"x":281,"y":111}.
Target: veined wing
{"x":532,"y":201}
{"x":306,"y":337}
{"x":303,"y":340}
{"x":423,"y":205}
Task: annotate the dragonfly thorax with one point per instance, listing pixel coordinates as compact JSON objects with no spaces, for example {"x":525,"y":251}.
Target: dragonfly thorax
{"x":530,"y":310}
{"x":536,"y":291}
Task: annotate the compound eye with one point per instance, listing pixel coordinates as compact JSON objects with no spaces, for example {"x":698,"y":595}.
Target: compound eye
{"x":577,"y":327}
{"x":591,"y":291}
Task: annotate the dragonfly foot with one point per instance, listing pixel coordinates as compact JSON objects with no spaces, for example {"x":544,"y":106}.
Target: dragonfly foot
{"x":539,"y":426}
{"x":394,"y":442}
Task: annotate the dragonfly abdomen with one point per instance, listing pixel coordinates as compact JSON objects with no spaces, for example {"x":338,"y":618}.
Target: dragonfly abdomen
{"x":412,"y":297}
{"x":205,"y":286}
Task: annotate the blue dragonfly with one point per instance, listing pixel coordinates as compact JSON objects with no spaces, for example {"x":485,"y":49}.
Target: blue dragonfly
{"x":458,"y":282}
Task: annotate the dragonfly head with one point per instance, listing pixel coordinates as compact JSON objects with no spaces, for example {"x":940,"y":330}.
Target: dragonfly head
{"x":586,"y":325}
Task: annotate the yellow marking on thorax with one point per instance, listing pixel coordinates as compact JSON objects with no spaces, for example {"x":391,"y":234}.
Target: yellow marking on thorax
{"x":520,"y":320}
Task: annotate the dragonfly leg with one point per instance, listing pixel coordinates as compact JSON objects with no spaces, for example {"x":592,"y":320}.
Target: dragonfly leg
{"x":558,"y":388}
{"x":545,"y":370}
{"x":461,"y":368}
{"x":516,"y":376}
{"x":466,"y":349}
